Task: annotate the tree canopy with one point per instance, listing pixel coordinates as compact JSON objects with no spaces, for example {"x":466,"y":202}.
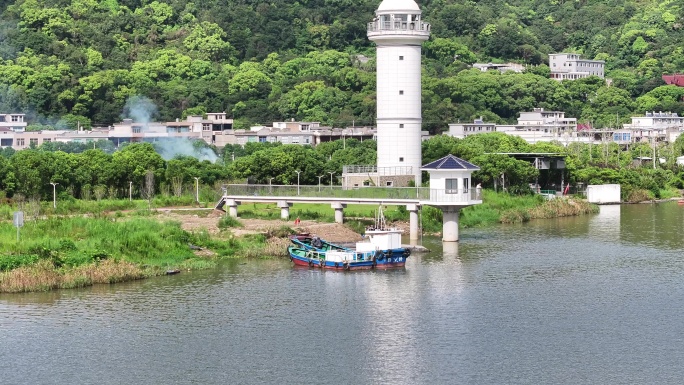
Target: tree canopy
{"x":77,"y":62}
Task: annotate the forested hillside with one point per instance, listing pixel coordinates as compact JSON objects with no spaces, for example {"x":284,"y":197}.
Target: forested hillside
{"x":80,"y":60}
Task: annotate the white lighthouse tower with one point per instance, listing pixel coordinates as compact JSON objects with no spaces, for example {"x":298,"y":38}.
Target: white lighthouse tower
{"x":398,"y":33}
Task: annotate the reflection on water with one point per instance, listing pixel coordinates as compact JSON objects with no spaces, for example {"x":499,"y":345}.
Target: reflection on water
{"x":607,"y":224}
{"x":588,"y":300}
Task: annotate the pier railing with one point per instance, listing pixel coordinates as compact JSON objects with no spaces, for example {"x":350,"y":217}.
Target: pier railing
{"x":423,"y":194}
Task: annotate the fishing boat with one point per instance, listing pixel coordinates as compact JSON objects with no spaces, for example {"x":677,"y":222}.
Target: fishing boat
{"x":313,"y":242}
{"x":380,"y":249}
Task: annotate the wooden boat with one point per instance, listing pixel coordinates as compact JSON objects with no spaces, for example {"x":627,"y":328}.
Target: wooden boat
{"x":382,"y":249}
{"x":681,"y":201}
{"x":312,"y":242}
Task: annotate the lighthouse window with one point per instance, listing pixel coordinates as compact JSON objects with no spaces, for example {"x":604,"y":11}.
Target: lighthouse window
{"x":401,"y":92}
{"x":401,"y":58}
{"x":401,"y":125}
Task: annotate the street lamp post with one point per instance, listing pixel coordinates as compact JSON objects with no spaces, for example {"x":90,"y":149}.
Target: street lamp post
{"x":54,"y":194}
{"x":331,"y":174}
{"x":130,"y":191}
{"x":197,"y":189}
{"x":298,"y":172}
{"x":319,"y":182}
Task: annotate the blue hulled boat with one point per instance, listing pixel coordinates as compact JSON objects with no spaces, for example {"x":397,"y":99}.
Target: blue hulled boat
{"x":381,"y":249}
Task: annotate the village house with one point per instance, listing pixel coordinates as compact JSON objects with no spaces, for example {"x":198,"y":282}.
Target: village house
{"x":569,"y":66}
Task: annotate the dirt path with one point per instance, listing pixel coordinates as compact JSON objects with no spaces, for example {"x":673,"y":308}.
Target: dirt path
{"x":332,"y":232}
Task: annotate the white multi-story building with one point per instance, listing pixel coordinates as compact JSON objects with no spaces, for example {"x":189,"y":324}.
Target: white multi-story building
{"x":398,"y":33}
{"x":534,"y":126}
{"x":540,"y":125}
{"x":654,"y":126}
{"x":14,"y":122}
{"x":569,"y":66}
{"x":461,"y":130}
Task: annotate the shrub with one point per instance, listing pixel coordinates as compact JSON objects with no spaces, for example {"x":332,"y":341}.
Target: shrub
{"x":639,"y":195}
{"x":10,"y":262}
{"x":227,"y":221}
{"x":280,"y":232}
{"x":515,"y":216}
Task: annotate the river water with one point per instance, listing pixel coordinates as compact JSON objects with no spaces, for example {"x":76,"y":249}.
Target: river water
{"x":597,"y":299}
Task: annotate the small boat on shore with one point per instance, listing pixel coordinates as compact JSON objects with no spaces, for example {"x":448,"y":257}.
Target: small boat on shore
{"x":382,"y":249}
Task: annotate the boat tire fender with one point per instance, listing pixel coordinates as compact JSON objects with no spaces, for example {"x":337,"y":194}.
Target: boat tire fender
{"x":346,"y":265}
{"x":407,"y":253}
{"x":310,"y":263}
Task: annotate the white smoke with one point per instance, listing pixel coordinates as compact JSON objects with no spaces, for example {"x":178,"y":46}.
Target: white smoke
{"x":139,"y":108}
{"x":169,"y":149}
{"x":142,"y":109}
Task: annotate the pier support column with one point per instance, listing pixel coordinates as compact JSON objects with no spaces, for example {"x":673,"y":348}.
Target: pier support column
{"x":232,"y":205}
{"x":450,"y":224}
{"x":339,"y":211}
{"x":413,"y":221}
{"x":284,"y":209}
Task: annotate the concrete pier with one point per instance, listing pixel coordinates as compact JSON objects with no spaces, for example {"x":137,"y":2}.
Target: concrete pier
{"x":284,"y":207}
{"x":450,"y":223}
{"x":413,"y":222}
{"x":232,"y":205}
{"x":339,"y":211}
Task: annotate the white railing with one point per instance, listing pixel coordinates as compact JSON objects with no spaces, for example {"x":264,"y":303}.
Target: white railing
{"x":398,"y":170}
{"x":419,"y":194}
{"x":398,"y":26}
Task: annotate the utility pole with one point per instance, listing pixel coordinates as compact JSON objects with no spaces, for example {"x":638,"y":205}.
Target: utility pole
{"x":654,"y":150}
{"x":54,"y":194}
{"x":197,"y":190}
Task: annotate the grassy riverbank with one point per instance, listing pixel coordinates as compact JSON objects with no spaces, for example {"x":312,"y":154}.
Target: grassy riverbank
{"x":505,"y":208}
{"x":69,"y":252}
{"x":89,"y":242}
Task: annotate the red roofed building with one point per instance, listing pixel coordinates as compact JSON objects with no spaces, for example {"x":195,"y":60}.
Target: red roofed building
{"x":676,"y":79}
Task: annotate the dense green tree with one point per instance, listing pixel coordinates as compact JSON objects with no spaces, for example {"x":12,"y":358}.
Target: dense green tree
{"x":133,"y":161}
{"x":32,"y":172}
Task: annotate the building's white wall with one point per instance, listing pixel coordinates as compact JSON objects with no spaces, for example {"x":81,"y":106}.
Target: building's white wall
{"x":438,"y":178}
{"x":606,"y":193}
{"x":393,"y":76}
{"x":395,"y":108}
{"x":570,"y":66}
